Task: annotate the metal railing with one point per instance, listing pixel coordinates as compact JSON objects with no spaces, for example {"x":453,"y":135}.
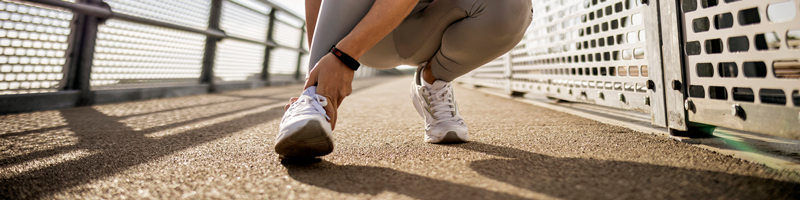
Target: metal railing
{"x":60,"y":54}
{"x":691,"y":64}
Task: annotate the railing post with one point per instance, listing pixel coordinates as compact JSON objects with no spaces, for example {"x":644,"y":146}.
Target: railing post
{"x":82,"y":46}
{"x":207,"y":72}
{"x":507,"y":73}
{"x":300,"y":54}
{"x":268,"y":50}
{"x":670,"y":25}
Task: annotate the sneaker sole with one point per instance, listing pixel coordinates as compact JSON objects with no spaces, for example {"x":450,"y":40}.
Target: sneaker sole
{"x":308,"y":142}
{"x":451,"y":138}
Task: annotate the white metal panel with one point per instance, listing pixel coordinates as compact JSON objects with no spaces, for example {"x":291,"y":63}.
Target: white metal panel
{"x":238,"y":60}
{"x":33,"y":45}
{"x":743,"y":56}
{"x":136,"y":55}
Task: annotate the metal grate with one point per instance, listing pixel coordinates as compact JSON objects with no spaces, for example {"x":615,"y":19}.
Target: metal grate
{"x":33,"y":40}
{"x":579,"y":50}
{"x":288,"y":30}
{"x":192,"y":13}
{"x":238,"y":60}
{"x":742,"y":64}
{"x":288,"y":33}
{"x":283,"y":61}
{"x":244,"y":22}
{"x":304,"y":65}
{"x":135,"y":55}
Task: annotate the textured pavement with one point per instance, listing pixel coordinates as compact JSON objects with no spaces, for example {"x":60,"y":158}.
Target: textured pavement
{"x":220,"y":146}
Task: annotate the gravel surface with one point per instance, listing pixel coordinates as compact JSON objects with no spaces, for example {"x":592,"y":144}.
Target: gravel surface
{"x":220,"y":146}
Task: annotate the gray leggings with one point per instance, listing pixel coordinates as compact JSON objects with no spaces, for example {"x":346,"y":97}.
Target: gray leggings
{"x":456,"y":36}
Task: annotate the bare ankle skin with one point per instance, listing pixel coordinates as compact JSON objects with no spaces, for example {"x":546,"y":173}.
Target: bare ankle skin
{"x":427,"y":74}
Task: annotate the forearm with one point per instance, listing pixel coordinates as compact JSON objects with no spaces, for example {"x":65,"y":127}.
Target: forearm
{"x":312,"y":13}
{"x":382,"y":18}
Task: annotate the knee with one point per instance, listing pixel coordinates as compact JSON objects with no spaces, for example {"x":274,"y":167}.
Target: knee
{"x":507,"y":17}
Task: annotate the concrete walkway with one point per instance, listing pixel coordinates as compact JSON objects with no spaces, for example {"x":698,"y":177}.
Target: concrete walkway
{"x":220,"y":146}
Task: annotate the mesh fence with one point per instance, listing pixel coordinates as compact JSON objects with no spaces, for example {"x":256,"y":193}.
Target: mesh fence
{"x":33,"y":40}
{"x":130,"y":54}
{"x":579,"y":50}
{"x":137,"y":55}
{"x":239,"y":60}
{"x":244,"y":22}
{"x":191,"y":13}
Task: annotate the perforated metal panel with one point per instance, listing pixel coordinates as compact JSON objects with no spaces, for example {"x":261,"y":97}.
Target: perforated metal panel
{"x":33,"y":40}
{"x":238,"y":60}
{"x":579,"y":50}
{"x":744,"y":53}
{"x":304,"y":64}
{"x":244,"y":22}
{"x":288,"y":30}
{"x":492,"y":74}
{"x":137,"y":55}
{"x":283,"y":61}
{"x":192,"y":13}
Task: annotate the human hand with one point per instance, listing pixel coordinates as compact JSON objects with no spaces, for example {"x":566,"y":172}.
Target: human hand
{"x":291,"y":101}
{"x":334,"y":81}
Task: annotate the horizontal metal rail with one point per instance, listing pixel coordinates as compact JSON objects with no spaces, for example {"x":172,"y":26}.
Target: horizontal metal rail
{"x":107,"y":13}
{"x":273,"y":5}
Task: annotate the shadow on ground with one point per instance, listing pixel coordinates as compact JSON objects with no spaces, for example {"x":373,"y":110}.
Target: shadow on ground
{"x":567,"y":178}
{"x":117,"y":146}
{"x":353,"y":179}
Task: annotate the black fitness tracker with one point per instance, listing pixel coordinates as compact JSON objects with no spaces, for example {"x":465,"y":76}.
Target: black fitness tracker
{"x":346,"y":59}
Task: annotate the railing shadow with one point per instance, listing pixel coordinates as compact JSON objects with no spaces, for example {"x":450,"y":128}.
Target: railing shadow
{"x":567,"y":178}
{"x":116,"y":146}
{"x":354,"y":179}
{"x":580,"y":178}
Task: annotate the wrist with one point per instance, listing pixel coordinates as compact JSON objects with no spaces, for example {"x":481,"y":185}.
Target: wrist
{"x":352,"y":49}
{"x":345,"y":58}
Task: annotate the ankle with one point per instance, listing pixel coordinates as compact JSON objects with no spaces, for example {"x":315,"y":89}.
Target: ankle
{"x":427,"y":74}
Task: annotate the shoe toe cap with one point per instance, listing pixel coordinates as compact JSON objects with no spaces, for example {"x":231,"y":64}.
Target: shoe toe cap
{"x":440,"y":134}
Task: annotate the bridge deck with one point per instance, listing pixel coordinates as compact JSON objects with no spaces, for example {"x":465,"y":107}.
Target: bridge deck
{"x":219,"y":146}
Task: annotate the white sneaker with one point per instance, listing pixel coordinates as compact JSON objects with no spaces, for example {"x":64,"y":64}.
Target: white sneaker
{"x":435,"y":103}
{"x":304,"y":130}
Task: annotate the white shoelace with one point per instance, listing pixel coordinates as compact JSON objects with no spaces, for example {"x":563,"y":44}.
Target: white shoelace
{"x":316,"y":101}
{"x":442,"y":105}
